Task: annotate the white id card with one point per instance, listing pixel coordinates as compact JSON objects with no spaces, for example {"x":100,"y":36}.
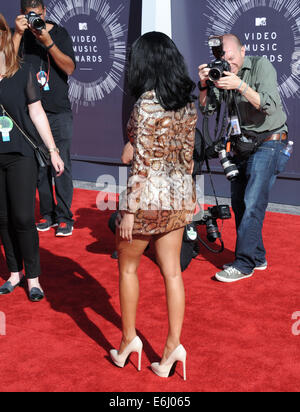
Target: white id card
{"x":235,"y":126}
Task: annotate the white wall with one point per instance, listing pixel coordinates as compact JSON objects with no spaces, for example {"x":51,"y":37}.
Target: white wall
{"x":156,"y":16}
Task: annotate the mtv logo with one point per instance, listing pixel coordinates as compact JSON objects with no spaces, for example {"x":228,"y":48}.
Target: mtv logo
{"x":83,"y":26}
{"x":260,"y":21}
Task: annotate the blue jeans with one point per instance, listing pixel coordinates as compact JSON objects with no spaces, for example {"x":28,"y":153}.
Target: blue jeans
{"x":250,"y":198}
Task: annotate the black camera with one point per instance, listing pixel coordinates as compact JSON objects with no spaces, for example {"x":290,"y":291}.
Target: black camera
{"x":191,"y":238}
{"x":220,"y":65}
{"x":35,"y":21}
{"x":210,"y":218}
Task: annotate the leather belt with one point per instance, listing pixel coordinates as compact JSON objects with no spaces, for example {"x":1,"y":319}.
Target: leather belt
{"x":277,"y":136}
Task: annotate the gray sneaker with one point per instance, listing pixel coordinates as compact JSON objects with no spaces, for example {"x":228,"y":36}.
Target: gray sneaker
{"x":231,"y":275}
{"x":263,"y":266}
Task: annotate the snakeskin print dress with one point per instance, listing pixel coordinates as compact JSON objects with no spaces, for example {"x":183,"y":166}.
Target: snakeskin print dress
{"x":160,"y":190}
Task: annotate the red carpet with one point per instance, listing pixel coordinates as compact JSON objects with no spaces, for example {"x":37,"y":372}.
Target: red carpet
{"x":238,"y":337}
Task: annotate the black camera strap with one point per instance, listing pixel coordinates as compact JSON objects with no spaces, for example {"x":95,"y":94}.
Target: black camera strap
{"x":233,"y":106}
{"x":210,"y":248}
{"x":224,"y":127}
{"x":211,"y":181}
{"x":222,"y":111}
{"x":216,"y":251}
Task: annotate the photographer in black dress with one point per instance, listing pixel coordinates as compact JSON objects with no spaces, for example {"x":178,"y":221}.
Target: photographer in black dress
{"x":48,"y":47}
{"x":21,"y":113}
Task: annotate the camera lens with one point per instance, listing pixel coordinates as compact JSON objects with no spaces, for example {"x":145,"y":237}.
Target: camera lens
{"x":212,"y":230}
{"x":35,"y":21}
{"x":38,"y":24}
{"x":215,"y":74}
{"x":230,"y":169}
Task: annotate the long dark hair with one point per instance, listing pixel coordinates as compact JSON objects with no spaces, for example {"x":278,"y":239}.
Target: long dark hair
{"x":155,"y":63}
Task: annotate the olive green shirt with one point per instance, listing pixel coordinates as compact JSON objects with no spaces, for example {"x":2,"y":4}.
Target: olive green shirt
{"x":261,"y":76}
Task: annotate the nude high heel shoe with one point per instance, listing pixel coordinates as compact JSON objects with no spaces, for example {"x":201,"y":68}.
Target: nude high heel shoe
{"x":136,"y":345}
{"x":179,"y":354}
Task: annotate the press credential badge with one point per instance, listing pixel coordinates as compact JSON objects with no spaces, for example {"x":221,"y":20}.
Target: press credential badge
{"x":43,"y":80}
{"x":6,"y":126}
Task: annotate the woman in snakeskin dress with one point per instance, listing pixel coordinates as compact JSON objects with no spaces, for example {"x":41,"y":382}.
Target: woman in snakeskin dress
{"x":160,"y":197}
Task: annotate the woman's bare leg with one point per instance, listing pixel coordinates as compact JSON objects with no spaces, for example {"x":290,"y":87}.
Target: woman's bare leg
{"x":129,"y":258}
{"x":168,"y":248}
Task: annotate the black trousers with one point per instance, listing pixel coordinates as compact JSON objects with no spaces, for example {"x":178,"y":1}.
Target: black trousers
{"x":18,"y":182}
{"x":62,"y":129}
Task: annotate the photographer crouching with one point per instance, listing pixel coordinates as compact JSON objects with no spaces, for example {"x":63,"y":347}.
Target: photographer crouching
{"x":258,"y":145}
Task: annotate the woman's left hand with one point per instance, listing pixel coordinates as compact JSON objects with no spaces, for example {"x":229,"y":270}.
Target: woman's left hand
{"x":126,"y":226}
{"x":57,"y":163}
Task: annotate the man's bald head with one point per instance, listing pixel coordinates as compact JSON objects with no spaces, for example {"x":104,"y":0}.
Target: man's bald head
{"x":234,"y":52}
{"x":233,"y":38}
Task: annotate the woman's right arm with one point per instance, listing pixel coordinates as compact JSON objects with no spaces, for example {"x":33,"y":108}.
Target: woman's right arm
{"x":140,"y":136}
{"x":143,"y":127}
{"x":40,"y":120}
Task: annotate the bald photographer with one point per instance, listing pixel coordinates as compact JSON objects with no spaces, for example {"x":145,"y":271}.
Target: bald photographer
{"x":257,"y":137}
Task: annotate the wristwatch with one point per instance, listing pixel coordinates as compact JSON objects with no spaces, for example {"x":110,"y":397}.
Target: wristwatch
{"x":202,"y":88}
{"x":53,"y":149}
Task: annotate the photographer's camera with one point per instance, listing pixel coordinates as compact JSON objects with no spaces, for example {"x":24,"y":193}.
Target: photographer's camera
{"x":220,"y":65}
{"x":35,"y":21}
{"x":210,"y":218}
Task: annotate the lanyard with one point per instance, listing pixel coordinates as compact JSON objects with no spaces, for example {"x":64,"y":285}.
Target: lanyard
{"x":47,"y":75}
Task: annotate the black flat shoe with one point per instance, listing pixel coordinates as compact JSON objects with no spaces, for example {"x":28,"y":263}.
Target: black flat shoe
{"x":36,"y":295}
{"x":8,"y":288}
